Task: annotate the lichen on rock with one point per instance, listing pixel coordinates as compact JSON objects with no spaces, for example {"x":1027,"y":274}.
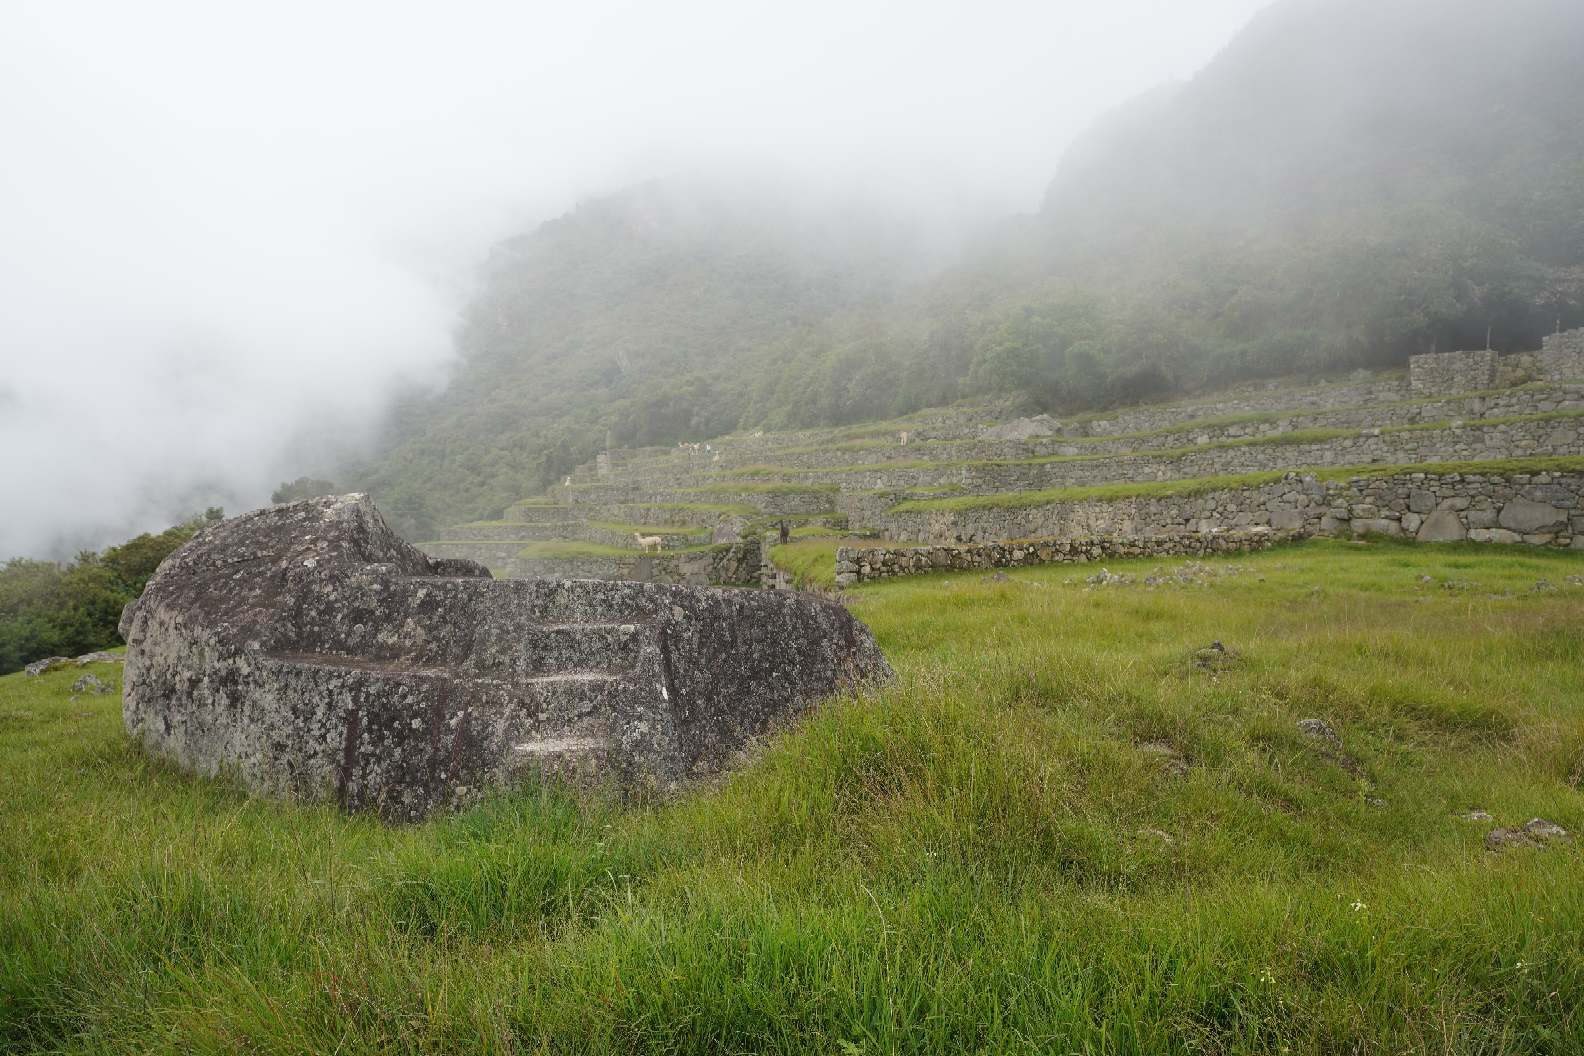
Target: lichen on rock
{"x":309,"y":651}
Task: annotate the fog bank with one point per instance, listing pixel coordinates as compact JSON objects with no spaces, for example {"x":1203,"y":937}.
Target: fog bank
{"x":226,"y":238}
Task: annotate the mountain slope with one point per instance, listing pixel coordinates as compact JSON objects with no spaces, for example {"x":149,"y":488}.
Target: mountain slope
{"x":674,"y":310}
{"x":1346,"y":184}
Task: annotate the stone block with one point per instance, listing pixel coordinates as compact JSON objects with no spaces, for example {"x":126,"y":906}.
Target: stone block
{"x":1286,"y":520}
{"x":1494,"y":535}
{"x":1421,"y":501}
{"x":1376,"y":525}
{"x":1443,"y":526}
{"x":1480,"y":519}
{"x":1410,"y":523}
{"x":309,"y":651}
{"x":1528,"y":517}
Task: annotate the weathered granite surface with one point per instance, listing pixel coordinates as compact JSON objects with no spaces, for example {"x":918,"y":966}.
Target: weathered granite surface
{"x":310,"y":651}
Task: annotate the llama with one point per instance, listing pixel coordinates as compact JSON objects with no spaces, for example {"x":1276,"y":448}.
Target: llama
{"x":646,"y":541}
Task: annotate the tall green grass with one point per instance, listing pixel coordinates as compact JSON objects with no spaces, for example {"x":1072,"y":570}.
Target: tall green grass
{"x":1000,"y":852}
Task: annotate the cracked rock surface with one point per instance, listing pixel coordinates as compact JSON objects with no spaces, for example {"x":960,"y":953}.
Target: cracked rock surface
{"x":311,"y":652}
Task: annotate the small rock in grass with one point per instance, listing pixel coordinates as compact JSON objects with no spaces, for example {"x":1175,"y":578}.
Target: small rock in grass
{"x":38,"y":667}
{"x":1318,"y":728}
{"x":999,"y":577}
{"x":89,"y":684}
{"x":1165,"y":836}
{"x":99,"y":658}
{"x":1541,"y":584}
{"x":1329,"y":744}
{"x":1375,"y":803}
{"x":1496,"y":839}
{"x":1545,"y":829}
{"x":1172,"y":762}
{"x":1426,"y":579}
{"x":1476,"y":815}
{"x":1217,"y":655}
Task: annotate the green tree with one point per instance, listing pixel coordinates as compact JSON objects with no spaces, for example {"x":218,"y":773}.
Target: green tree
{"x":51,"y":609}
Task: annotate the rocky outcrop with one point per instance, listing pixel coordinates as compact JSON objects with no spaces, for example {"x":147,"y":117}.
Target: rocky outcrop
{"x":312,"y":653}
{"x":38,"y":667}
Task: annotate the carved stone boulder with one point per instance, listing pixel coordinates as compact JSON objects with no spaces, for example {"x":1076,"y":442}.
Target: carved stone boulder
{"x":309,"y":651}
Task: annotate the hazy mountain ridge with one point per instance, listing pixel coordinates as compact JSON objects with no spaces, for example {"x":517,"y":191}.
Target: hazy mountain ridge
{"x":1345,"y":184}
{"x":676,"y":309}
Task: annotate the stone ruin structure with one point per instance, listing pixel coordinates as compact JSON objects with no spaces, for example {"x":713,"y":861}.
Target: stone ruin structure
{"x":1561,"y":358}
{"x":1497,"y":439}
{"x":309,"y":651}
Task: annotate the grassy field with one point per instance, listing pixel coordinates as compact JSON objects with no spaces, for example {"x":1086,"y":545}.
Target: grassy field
{"x":1056,"y":832}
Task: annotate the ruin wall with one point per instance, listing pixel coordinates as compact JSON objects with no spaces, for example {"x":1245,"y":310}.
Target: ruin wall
{"x":861,"y":565}
{"x":1539,"y":509}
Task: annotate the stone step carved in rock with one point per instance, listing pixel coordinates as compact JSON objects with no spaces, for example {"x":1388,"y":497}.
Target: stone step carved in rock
{"x":309,"y":651}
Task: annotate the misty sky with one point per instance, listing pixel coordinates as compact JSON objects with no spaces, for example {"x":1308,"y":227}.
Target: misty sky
{"x":227,"y":232}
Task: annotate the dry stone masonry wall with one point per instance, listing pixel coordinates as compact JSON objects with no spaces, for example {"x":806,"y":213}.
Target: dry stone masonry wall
{"x":1463,"y":439}
{"x":1561,"y":357}
{"x":861,"y":565}
{"x":1466,"y":441}
{"x":1540,"y":509}
{"x":1458,"y":407}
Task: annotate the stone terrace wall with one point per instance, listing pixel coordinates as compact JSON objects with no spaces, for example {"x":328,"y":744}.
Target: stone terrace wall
{"x":1317,"y":398}
{"x":655,"y":465}
{"x":502,"y":531}
{"x":670,"y":538}
{"x":656,"y":516}
{"x":1469,"y":440}
{"x":790,"y":503}
{"x":535,"y":513}
{"x":1503,"y":405}
{"x":1561,"y":358}
{"x":1543,"y":509}
{"x":1562,"y":355}
{"x":738,"y":564}
{"x":1449,"y":373}
{"x":860,"y":565}
{"x":1466,"y":443}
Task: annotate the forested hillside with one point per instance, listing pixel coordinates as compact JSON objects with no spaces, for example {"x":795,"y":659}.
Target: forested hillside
{"x":1346,"y":184}
{"x":50,"y":608}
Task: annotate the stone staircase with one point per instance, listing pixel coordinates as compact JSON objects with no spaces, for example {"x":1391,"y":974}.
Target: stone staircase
{"x":908,"y":480}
